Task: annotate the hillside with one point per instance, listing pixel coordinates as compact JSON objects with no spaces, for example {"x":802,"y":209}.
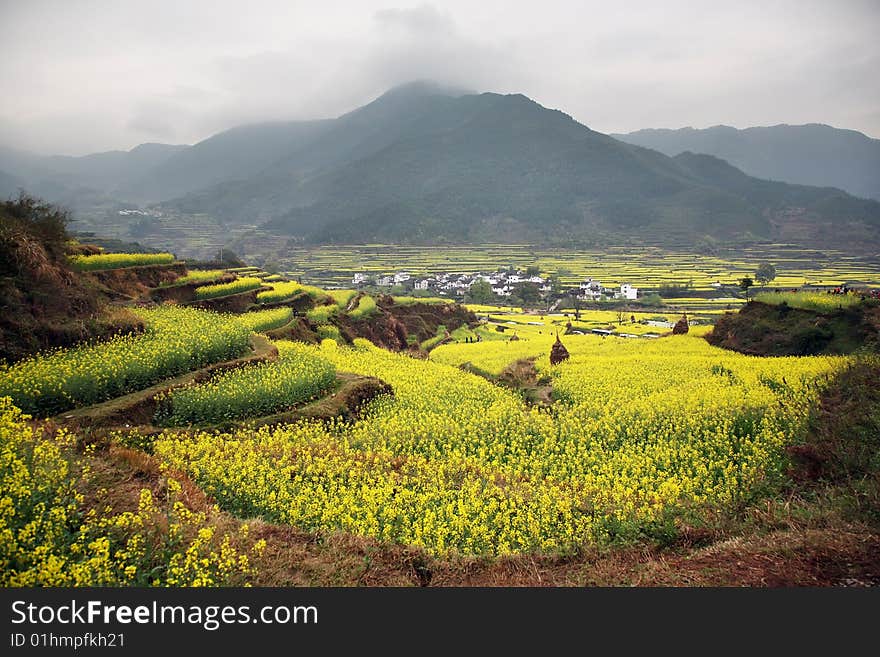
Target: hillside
{"x":230,"y":155}
{"x":424,"y":164}
{"x":420,"y":166}
{"x":272,"y":189}
{"x":763,"y":329}
{"x":810,"y":154}
{"x":82,"y":182}
{"x":271,"y":445}
{"x":44,"y":303}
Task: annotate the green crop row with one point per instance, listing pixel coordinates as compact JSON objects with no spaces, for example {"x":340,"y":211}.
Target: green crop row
{"x":177,"y":340}
{"x":237,"y":286}
{"x":301,"y":373}
{"x":118,"y":260}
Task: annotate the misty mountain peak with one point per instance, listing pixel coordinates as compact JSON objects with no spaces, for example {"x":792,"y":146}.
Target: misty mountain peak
{"x":426,"y":88}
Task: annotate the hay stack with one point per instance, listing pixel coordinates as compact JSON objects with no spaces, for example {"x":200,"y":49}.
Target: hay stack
{"x":558,"y":353}
{"x":681,"y":326}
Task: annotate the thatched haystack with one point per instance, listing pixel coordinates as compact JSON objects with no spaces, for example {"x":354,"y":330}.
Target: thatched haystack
{"x":558,"y":353}
{"x":681,"y":326}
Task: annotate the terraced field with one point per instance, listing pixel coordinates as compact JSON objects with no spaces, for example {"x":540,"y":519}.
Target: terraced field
{"x":177,"y":340}
{"x":640,"y":434}
{"x":454,"y":463}
{"x":646,"y":267}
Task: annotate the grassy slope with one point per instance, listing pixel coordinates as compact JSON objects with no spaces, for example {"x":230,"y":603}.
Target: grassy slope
{"x":775,"y":330}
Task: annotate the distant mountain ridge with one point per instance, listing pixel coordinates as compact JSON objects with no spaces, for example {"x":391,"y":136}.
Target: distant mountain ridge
{"x":425,"y":167}
{"x":811,"y":154}
{"x":425,"y":163}
{"x":66,"y":179}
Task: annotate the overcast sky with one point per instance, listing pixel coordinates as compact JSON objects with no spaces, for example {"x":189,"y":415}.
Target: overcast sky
{"x":80,"y":76}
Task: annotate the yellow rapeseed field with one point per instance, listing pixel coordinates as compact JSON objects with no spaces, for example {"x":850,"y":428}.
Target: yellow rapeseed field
{"x":177,"y":340}
{"x":266,"y":320}
{"x":644,"y":431}
{"x":101,"y":261}
{"x":237,"y":286}
{"x":48,"y":538}
{"x":301,"y":373}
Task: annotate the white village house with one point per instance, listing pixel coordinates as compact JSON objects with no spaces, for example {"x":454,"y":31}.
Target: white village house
{"x":591,"y":289}
{"x":627,"y":291}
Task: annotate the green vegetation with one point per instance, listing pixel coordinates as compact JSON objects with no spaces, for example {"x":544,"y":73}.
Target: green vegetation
{"x":52,"y":538}
{"x":299,"y":374}
{"x":433,"y":175}
{"x":317,"y":294}
{"x":366,"y":307}
{"x":341,"y":297}
{"x":266,"y":320}
{"x":481,"y":292}
{"x":200,"y":276}
{"x":647,"y":267}
{"x":42,"y":303}
{"x":237,"y":286}
{"x":280,"y":292}
{"x":408,"y":301}
{"x":177,"y":340}
{"x":819,"y":301}
{"x":119,"y":260}
{"x":329,"y":332}
{"x":648,"y":434}
{"x":808,"y":328}
{"x":321,"y":314}
{"x":658,"y":444}
{"x":766,"y":273}
{"x":810,"y":154}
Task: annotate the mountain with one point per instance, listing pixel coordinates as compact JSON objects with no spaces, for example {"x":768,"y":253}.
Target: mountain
{"x":420,"y":165}
{"x":63,"y":178}
{"x":230,"y":155}
{"x":425,"y":163}
{"x":9,"y":185}
{"x":277,"y":185}
{"x":811,"y":154}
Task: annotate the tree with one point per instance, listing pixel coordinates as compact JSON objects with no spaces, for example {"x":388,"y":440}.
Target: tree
{"x":766,"y":273}
{"x":528,"y":293}
{"x":745,"y":283}
{"x":228,"y":258}
{"x":481,"y":292}
{"x":533,"y":270}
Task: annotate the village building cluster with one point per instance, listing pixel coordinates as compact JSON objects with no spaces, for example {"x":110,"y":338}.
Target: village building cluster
{"x":504,"y":283}
{"x":591,"y":290}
